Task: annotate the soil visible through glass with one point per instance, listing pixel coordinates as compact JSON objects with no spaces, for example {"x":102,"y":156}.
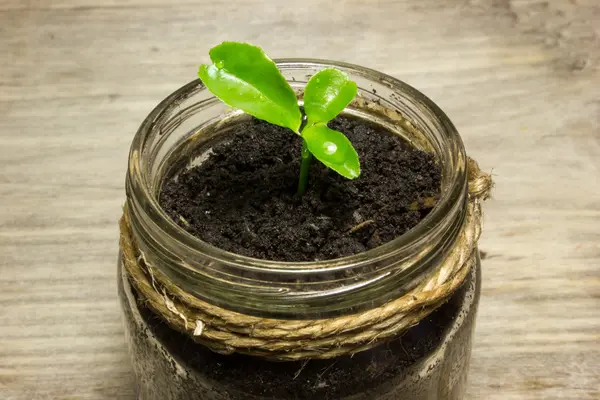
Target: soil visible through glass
{"x":430,"y":361}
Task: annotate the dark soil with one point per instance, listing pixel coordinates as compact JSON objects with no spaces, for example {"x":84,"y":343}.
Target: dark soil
{"x":243,"y":197}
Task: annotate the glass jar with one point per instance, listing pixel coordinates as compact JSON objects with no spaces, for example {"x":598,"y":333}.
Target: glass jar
{"x":428,"y":361}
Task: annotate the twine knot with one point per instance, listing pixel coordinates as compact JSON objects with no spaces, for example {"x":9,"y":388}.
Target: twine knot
{"x":480,"y":183}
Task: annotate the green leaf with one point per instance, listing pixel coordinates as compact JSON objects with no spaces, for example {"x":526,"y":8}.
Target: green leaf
{"x":326,"y":95}
{"x":244,"y":77}
{"x":333,"y":149}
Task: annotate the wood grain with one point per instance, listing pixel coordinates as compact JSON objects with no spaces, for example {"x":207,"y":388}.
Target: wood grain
{"x":520,"y":80}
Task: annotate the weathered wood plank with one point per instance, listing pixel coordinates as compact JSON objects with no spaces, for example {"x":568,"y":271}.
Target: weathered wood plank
{"x":519,"y":79}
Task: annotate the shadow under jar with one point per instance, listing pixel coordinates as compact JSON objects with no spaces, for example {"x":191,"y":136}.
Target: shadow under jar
{"x":428,"y":361}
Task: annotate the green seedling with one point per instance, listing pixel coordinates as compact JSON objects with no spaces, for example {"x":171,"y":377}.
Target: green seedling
{"x":244,"y":77}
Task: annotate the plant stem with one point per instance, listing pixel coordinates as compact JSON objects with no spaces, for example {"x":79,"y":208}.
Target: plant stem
{"x":304,"y":167}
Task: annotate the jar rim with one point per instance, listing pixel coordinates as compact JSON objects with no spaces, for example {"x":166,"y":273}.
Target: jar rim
{"x":403,"y":243}
{"x":223,"y":266}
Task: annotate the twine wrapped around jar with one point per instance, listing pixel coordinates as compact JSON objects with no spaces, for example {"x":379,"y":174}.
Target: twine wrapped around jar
{"x":227,"y":332}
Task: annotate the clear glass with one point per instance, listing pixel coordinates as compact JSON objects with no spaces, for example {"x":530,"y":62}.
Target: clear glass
{"x":429,"y":361}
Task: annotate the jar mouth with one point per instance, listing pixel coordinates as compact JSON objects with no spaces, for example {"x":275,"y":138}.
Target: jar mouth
{"x":449,"y":151}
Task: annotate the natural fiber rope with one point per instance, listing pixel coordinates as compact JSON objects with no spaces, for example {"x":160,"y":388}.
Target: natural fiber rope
{"x":226,"y":332}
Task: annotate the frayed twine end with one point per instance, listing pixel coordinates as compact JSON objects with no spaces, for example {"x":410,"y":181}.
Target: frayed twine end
{"x":199,"y":328}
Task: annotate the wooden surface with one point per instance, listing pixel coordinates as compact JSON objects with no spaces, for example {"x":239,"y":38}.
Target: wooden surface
{"x":520,"y":79}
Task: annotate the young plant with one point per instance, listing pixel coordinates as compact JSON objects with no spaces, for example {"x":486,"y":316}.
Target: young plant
{"x":244,"y":77}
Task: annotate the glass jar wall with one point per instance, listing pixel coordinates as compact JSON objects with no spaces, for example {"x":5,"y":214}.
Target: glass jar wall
{"x":428,"y":361}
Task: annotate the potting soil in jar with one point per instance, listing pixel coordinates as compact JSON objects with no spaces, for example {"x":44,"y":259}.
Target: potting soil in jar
{"x":243,"y":199}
